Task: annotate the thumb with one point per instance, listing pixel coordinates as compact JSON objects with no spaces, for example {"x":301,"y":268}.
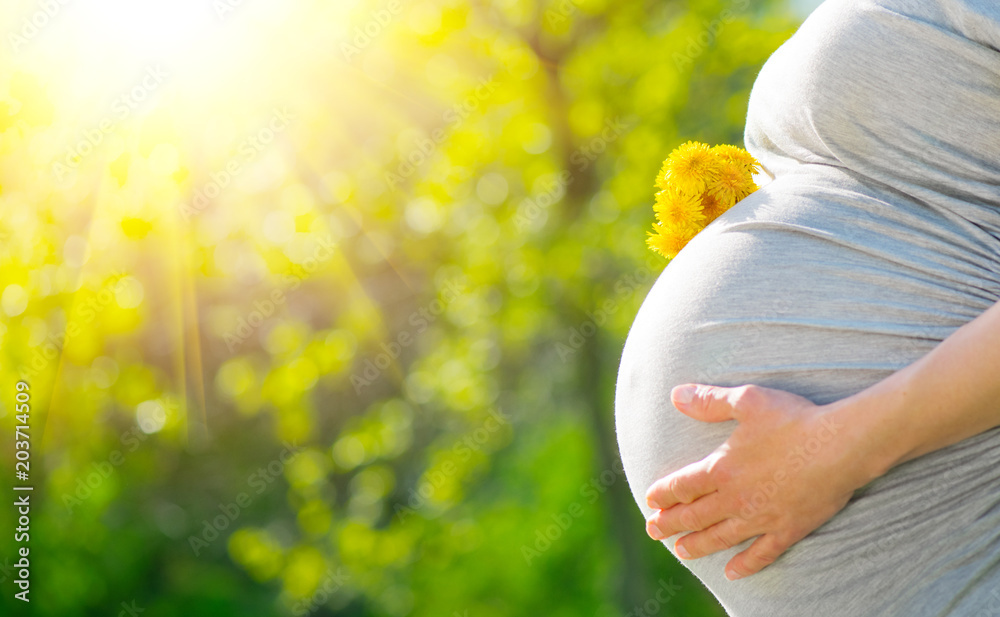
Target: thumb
{"x":705,"y":403}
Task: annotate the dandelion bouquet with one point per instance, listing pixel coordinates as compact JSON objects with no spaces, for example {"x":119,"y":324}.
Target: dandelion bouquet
{"x":696,"y":184}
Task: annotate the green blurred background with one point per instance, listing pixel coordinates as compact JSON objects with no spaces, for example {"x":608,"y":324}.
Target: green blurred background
{"x":320,"y":304}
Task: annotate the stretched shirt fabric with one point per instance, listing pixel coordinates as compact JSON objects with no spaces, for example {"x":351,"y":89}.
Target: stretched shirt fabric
{"x":878,"y":237}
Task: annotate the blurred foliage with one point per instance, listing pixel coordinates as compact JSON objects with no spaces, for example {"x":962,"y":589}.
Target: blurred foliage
{"x":321,"y":305}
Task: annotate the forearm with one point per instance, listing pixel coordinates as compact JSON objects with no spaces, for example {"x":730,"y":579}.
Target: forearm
{"x":950,"y":394}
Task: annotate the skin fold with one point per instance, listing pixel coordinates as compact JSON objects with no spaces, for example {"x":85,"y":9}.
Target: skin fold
{"x":791,"y":465}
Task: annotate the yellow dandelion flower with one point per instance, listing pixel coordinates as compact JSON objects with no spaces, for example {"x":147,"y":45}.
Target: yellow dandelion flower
{"x":667,"y":242}
{"x":689,"y":168}
{"x":711,"y":207}
{"x":737,"y":155}
{"x":748,"y":188}
{"x":661,"y":176}
{"x":696,"y":185}
{"x":676,"y":209}
{"x":731,"y":184}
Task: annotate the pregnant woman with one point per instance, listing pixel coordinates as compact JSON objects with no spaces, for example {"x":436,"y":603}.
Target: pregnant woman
{"x":858,"y":292}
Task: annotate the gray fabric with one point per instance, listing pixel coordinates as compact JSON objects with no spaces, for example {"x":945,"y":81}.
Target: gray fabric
{"x":879,"y":237}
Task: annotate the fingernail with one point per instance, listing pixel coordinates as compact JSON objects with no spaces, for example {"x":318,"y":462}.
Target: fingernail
{"x":654,"y":532}
{"x":682,"y":552}
{"x":684,"y":394}
{"x":733,"y":574}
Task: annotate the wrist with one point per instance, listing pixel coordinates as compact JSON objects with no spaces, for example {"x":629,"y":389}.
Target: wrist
{"x":867,"y":437}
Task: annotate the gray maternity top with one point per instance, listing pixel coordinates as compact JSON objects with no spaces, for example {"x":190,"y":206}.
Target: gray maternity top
{"x":879,"y":237}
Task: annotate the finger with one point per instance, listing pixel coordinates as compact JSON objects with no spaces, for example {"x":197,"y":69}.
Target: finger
{"x":698,"y":515}
{"x":719,"y":537}
{"x":762,"y":553}
{"x":683,"y":486}
{"x":718,"y":404}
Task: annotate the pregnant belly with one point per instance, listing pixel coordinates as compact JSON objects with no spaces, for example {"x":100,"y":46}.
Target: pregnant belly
{"x":820,"y":285}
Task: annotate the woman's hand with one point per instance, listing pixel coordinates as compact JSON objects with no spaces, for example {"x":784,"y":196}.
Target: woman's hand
{"x":787,"y":468}
{"x":789,"y":465}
